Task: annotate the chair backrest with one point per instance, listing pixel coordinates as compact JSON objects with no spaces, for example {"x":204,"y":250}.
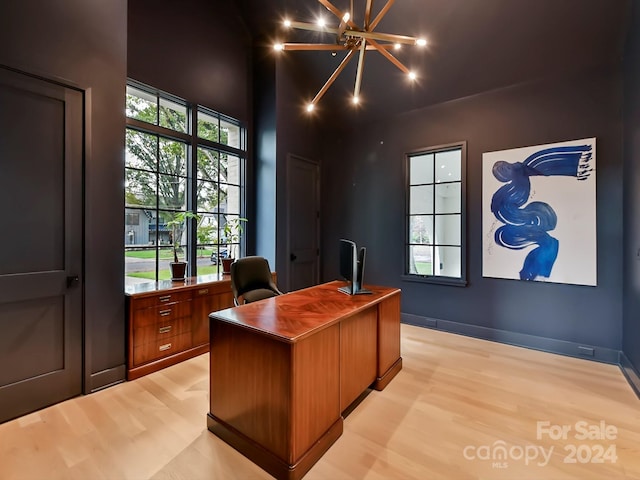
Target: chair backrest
{"x":252,"y":274}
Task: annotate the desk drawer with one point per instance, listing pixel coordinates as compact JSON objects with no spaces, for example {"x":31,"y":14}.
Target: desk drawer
{"x":162,"y":348}
{"x":161,"y":314}
{"x":162,"y":299}
{"x":161,"y":331}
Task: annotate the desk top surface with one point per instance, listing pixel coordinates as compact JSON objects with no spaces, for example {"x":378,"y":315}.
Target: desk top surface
{"x":296,"y":315}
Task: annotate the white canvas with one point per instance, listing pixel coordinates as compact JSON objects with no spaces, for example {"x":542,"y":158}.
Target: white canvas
{"x":571,"y":197}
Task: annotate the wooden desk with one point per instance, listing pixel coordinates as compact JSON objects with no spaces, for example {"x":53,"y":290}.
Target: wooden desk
{"x":284,"y":369}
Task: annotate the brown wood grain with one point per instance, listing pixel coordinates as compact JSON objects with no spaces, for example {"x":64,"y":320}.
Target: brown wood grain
{"x":283,"y":369}
{"x":358,"y":355}
{"x":293,"y":316}
{"x":250,"y":385}
{"x":168,"y":322}
{"x":315,"y":400}
{"x":388,"y":333}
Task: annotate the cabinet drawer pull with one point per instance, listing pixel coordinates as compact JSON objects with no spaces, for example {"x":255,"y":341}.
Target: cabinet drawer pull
{"x":164,"y":347}
{"x":166,"y":329}
{"x":203,"y":291}
{"x":165,"y":313}
{"x":164,"y":298}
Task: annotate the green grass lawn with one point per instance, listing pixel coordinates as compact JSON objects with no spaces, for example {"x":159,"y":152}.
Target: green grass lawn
{"x":165,"y":254}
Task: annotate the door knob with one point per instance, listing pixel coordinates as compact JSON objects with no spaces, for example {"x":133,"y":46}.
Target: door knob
{"x":72,"y":281}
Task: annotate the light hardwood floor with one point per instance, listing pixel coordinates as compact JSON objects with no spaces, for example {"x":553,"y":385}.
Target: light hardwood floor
{"x":457,"y":401}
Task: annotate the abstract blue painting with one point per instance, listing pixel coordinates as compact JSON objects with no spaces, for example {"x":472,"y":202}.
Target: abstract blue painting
{"x":539,"y":213}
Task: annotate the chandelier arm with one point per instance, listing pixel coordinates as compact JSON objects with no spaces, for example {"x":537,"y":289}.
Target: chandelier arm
{"x":332,"y":47}
{"x":333,"y":77}
{"x":314,"y":46}
{"x":389,"y":57}
{"x":367,"y":14}
{"x":333,"y":9}
{"x":363,"y":49}
{"x":385,"y":37}
{"x":382,"y":13}
{"x":314,"y":27}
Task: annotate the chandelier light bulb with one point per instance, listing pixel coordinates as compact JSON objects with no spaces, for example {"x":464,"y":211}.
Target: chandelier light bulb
{"x":278,"y":47}
{"x":321,"y":22}
{"x":287,"y":23}
{"x":421,"y":42}
{"x":346,"y":17}
{"x":310,"y":107}
{"x":397,"y":46}
{"x":412,"y":75}
{"x":356,"y":100}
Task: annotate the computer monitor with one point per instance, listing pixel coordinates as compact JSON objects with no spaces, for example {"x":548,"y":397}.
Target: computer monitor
{"x":352,"y":267}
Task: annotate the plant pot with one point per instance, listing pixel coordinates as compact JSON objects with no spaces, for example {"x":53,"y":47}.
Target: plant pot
{"x":178,"y":270}
{"x":226,"y":265}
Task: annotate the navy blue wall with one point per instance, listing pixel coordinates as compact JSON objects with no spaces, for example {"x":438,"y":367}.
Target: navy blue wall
{"x":364,"y":199}
{"x":631,"y":324}
{"x":297,"y":133}
{"x":195,"y":49}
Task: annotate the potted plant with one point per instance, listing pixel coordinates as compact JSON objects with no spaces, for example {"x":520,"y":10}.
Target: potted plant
{"x":178,"y":268}
{"x":232,"y":231}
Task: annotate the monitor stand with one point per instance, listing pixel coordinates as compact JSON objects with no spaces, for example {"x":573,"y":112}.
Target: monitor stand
{"x":361,"y":291}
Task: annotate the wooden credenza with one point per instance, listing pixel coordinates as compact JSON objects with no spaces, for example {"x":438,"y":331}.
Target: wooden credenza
{"x":283,"y":370}
{"x":168,"y":322}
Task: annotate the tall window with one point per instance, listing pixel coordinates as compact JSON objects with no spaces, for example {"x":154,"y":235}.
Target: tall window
{"x":179,"y":158}
{"x":435,"y":214}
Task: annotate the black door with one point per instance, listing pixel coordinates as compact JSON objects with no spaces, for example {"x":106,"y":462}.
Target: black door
{"x":303,"y":219}
{"x":41,"y":155}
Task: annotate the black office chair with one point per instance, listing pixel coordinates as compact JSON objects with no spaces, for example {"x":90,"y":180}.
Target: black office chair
{"x":251,"y":280}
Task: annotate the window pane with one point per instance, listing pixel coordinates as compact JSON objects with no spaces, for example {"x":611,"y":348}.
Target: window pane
{"x":447,"y":261}
{"x":421,"y":169}
{"x":229,"y":134}
{"x":231,"y":234}
{"x":171,"y":192}
{"x":448,"y":198}
{"x":421,"y":200}
{"x":173,"y":116}
{"x":173,"y":157}
{"x":230,"y":169}
{"x":208,"y":127}
{"x":207,"y":196}
{"x":140,"y":188}
{"x":448,"y":229}
{"x":165,"y":235}
{"x":141,"y":150}
{"x":208,"y":164}
{"x":421,"y":229}
{"x":448,"y":166}
{"x":141,"y":105}
{"x":176,"y":230}
{"x":140,"y":265}
{"x":136,"y":228}
{"x":207,"y":230}
{"x":229,"y":199}
{"x":420,"y":260}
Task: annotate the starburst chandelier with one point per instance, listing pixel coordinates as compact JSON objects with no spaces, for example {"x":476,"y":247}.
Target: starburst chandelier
{"x":355,"y":40}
